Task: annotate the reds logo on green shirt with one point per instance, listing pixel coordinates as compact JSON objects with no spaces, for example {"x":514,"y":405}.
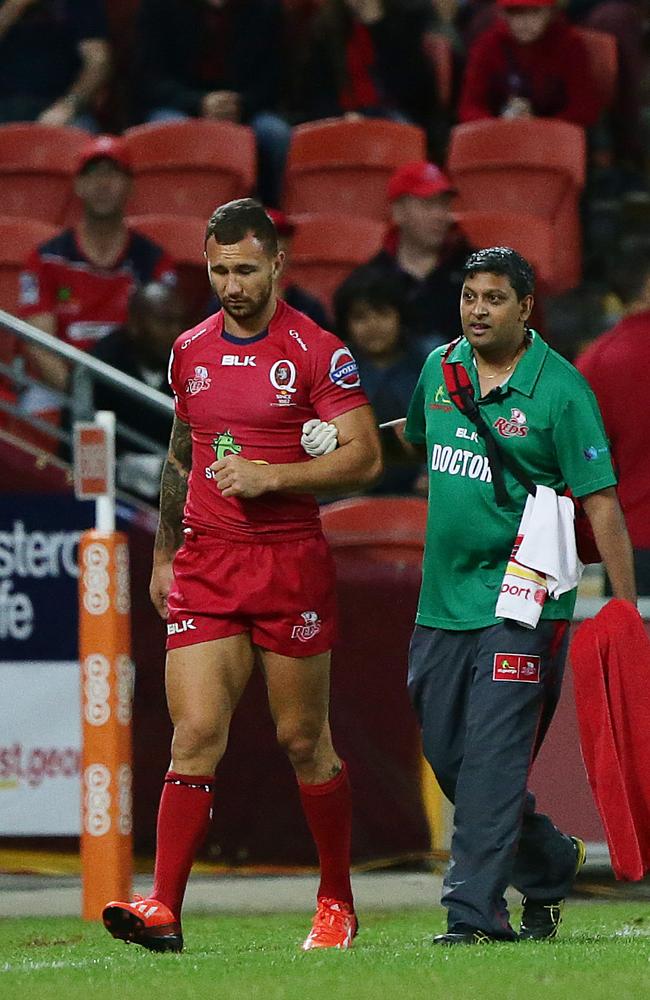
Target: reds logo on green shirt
{"x":225,"y":444}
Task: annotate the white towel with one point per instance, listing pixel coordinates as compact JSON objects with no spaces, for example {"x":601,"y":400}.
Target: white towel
{"x":544,"y":560}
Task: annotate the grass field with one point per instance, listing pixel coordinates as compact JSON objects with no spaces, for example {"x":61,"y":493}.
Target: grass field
{"x":603,"y":953}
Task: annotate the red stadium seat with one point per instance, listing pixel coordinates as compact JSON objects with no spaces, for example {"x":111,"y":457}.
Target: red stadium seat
{"x":18,"y":237}
{"x":190,"y":167}
{"x":327,"y":247}
{"x":388,"y":529}
{"x":344,"y":166}
{"x":530,"y":235}
{"x":182,"y":237}
{"x":534,"y":166}
{"x":37,"y":165}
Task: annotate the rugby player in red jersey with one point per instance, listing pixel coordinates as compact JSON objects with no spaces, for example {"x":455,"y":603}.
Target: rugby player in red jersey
{"x":241,"y":566}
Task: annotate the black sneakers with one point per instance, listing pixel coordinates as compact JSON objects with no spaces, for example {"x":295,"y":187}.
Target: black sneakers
{"x":541,"y":918}
{"x":469,"y":935}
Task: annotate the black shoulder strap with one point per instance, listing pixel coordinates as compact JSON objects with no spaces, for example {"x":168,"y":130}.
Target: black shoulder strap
{"x":461,"y":392}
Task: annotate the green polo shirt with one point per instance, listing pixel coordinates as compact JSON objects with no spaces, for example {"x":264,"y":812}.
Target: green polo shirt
{"x":547,"y":417}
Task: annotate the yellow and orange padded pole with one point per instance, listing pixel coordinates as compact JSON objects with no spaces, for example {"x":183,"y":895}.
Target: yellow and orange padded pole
{"x":107,"y":676}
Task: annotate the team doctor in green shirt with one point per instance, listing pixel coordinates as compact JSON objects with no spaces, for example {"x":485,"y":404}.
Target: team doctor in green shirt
{"x":485,"y":688}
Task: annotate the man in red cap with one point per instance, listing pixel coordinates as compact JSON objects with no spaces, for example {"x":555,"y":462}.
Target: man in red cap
{"x":76,"y":286}
{"x":529,"y":63}
{"x":425,"y":251}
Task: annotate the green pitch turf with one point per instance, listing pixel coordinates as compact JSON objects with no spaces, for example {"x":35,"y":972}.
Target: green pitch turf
{"x":603,"y":952}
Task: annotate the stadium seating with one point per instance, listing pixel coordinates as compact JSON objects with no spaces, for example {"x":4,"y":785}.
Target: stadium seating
{"x":326,"y":247}
{"x":182,"y":237}
{"x":18,"y":237}
{"x":37,"y":164}
{"x":386,"y":529}
{"x":530,"y":235}
{"x":190,"y":167}
{"x":343,"y":166}
{"x":530,"y":165}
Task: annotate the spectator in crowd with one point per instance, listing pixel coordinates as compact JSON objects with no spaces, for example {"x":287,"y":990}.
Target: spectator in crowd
{"x":141,"y":349}
{"x":367,"y":57}
{"x":617,"y":367}
{"x":624,"y":20}
{"x":76,"y":286}
{"x":218,"y":59}
{"x":425,"y":250}
{"x":529,"y":63}
{"x":369,"y":312}
{"x":54,"y":60}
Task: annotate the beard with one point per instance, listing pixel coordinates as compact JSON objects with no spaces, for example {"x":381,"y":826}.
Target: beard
{"x":248,"y":307}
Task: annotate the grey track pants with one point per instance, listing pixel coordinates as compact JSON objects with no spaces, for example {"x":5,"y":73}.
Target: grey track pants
{"x":484,"y":699}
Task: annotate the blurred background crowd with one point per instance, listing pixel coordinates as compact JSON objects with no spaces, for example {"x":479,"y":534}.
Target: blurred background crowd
{"x":387,"y":138}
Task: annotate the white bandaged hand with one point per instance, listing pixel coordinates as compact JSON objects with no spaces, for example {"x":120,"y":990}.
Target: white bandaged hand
{"x":318,"y":437}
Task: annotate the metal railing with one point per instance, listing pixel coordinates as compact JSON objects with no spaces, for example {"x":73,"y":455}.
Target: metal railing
{"x":78,"y":400}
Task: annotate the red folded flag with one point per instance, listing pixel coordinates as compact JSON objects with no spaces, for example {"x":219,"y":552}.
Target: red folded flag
{"x":610,"y":657}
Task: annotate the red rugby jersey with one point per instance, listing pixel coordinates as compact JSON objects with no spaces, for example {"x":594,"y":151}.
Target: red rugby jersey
{"x":88,"y":301}
{"x":250,"y":397}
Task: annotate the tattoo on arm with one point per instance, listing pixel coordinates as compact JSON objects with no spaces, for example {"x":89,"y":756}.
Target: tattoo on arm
{"x":173,"y":489}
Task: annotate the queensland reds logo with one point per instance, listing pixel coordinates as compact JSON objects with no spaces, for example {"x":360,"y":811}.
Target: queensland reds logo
{"x":283,"y":376}
{"x":515,"y":427}
{"x":200,"y":381}
{"x":343,"y":369}
{"x":311,"y":626}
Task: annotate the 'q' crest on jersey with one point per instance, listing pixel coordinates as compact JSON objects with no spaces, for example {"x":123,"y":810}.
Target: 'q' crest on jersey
{"x":283,"y":376}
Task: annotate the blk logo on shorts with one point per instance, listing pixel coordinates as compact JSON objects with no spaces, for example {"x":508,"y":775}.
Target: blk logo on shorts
{"x":311,"y":626}
{"x":516,"y":667}
{"x":177,"y":628}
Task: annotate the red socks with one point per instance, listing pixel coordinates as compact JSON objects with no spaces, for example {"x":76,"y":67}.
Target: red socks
{"x":328,"y":811}
{"x":183,"y":819}
{"x":184,"y":816}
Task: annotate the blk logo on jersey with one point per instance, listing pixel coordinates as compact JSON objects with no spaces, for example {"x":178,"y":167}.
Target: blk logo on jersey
{"x":200,"y":382}
{"x":516,"y":667}
{"x":343,"y":369}
{"x":515,"y":427}
{"x":310,"y":627}
{"x":248,"y":361}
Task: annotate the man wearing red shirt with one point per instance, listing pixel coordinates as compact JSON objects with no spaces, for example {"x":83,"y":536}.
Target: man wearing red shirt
{"x":76,"y":286}
{"x":241,"y":568}
{"x":617,"y":367}
{"x":529,"y":63}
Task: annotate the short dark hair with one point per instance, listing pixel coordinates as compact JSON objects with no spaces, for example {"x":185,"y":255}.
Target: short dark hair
{"x":373,"y":288}
{"x":238,"y":219}
{"x":505,"y":261}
